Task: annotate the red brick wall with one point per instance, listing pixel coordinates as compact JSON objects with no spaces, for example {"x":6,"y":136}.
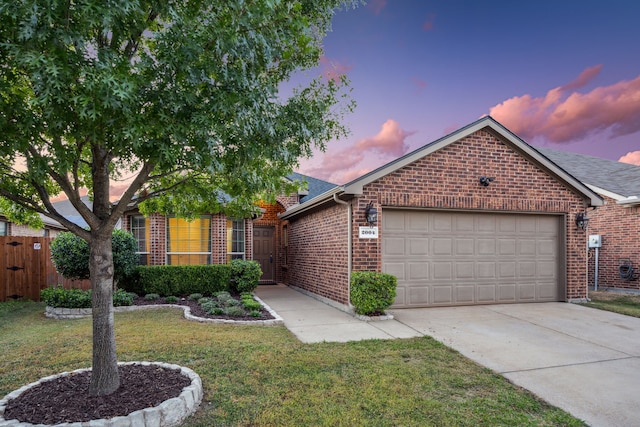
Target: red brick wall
{"x":318,"y":253}
{"x":446,"y":179}
{"x":620,"y":230}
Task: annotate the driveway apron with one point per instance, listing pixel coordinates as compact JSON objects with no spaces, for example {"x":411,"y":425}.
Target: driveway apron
{"x":583,"y":360}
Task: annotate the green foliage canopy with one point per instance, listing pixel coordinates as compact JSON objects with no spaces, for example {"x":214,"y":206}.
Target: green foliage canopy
{"x":178,"y":98}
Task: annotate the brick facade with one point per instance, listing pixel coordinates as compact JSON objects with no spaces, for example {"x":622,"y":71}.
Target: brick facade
{"x":318,"y":253}
{"x":158,"y":238}
{"x":447,"y":179}
{"x":619,"y":227}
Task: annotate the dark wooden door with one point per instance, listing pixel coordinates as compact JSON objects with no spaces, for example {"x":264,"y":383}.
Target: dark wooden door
{"x":263,"y":246}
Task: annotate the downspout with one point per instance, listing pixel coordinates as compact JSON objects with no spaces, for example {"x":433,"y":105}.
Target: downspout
{"x":349,"y":242}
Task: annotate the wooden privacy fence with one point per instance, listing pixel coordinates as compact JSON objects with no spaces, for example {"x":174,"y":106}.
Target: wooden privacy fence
{"x":26,"y":268}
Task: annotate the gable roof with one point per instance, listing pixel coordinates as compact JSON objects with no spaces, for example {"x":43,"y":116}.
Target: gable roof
{"x":487,"y":123}
{"x":620,"y":181}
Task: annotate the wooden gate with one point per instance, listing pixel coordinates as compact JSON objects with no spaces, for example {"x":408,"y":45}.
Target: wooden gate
{"x":26,"y":268}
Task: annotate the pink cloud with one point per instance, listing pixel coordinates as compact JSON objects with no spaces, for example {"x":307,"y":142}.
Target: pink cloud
{"x":420,"y":84}
{"x":343,"y":165}
{"x":563,"y":115}
{"x":428,"y":24}
{"x":333,"y":69}
{"x":377,"y":6}
{"x":632,"y":157}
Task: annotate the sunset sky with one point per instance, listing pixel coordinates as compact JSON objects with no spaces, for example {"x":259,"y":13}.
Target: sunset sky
{"x":562,"y":74}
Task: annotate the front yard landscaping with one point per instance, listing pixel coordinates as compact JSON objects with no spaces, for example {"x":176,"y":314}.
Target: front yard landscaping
{"x":266,"y":377}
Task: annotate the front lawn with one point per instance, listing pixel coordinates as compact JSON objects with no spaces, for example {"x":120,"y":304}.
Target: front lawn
{"x":263,"y":376}
{"x":617,"y":302}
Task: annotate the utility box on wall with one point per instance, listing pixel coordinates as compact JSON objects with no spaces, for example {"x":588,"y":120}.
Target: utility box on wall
{"x":595,"y":241}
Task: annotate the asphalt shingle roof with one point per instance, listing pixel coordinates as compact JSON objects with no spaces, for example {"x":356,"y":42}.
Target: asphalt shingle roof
{"x":616,"y":177}
{"x":315,"y":186}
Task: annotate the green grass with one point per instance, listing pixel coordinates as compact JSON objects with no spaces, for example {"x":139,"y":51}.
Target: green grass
{"x":628,"y":304}
{"x":263,"y":376}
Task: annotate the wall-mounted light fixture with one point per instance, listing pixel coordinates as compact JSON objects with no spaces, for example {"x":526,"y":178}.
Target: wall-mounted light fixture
{"x":485,"y":180}
{"x":581,"y":220}
{"x":371,"y":214}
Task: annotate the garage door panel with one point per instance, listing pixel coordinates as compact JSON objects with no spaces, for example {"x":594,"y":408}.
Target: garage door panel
{"x":464,"y":270}
{"x":443,"y":294}
{"x":464,"y":247}
{"x":419,"y":295}
{"x":396,"y":269}
{"x":418,"y":271}
{"x":442,"y":245}
{"x":449,"y":258}
{"x":393,"y":246}
{"x":465,"y":294}
{"x":418,"y":246}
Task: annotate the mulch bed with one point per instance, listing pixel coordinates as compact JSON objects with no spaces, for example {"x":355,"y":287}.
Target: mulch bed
{"x":196,"y":309}
{"x":67,"y":399}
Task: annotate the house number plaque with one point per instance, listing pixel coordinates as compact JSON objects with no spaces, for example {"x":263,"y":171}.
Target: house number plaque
{"x":368,"y":232}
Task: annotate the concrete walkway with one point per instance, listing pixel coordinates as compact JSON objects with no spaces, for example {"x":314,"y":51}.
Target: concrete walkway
{"x":582,"y":360}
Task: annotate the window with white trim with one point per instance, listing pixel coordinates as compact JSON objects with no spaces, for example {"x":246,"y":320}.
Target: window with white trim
{"x":235,"y":239}
{"x":189,"y":242}
{"x":139,"y":227}
{"x":3,"y":228}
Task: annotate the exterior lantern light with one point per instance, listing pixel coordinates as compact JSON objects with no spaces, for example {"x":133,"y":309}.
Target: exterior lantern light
{"x":371,"y":214}
{"x":581,"y":220}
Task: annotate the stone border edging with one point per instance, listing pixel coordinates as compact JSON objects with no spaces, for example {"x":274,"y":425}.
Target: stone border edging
{"x":169,"y":413}
{"x":78,"y":313}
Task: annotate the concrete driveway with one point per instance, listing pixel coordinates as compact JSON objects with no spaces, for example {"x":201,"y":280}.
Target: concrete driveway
{"x":583,"y":360}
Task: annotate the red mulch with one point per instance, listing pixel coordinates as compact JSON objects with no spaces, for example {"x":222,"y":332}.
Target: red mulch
{"x":67,"y":399}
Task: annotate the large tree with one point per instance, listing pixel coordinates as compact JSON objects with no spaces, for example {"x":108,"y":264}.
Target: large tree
{"x":175,"y":98}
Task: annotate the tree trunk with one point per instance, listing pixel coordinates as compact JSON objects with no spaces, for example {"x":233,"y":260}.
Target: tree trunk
{"x":104,"y":375}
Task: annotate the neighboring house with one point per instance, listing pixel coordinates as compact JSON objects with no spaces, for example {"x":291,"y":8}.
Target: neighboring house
{"x":476,"y":217}
{"x":51,"y":228}
{"x":217,"y":239}
{"x":618,"y":221}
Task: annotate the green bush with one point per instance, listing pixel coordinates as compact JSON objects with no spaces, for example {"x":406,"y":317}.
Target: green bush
{"x":245,"y":275}
{"x":70,"y":255}
{"x":183,"y":280}
{"x":152,"y":297}
{"x":372,"y":292}
{"x":235,"y":311}
{"x":66,"y":298}
{"x":171,"y":299}
{"x":251,"y":305}
{"x":255,"y":313}
{"x":195,"y":297}
{"x":122,"y":298}
{"x":58,"y":296}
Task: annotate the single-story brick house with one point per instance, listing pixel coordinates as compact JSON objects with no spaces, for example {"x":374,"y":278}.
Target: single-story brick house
{"x":217,"y":239}
{"x":617,"y":222}
{"x":475,"y":217}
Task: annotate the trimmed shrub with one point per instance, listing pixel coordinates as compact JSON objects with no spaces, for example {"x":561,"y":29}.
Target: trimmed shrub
{"x":122,"y":298}
{"x":58,"y":296}
{"x":70,"y":255}
{"x":195,"y":297}
{"x":372,"y":292}
{"x":152,"y":297}
{"x":251,"y":305}
{"x":66,"y":298}
{"x":171,"y":299}
{"x":245,"y":275}
{"x":181,"y":280}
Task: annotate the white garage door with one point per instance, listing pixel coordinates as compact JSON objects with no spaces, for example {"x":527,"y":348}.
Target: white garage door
{"x":461,"y":258}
